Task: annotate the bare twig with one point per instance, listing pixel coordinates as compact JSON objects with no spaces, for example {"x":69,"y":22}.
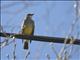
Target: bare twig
{"x":71,"y":31}
{"x":8,"y":57}
{"x":14,"y":53}
{"x":27,"y":54}
{"x":48,"y":57}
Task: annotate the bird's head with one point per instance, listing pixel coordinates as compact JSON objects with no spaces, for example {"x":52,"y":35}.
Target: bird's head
{"x":30,"y":14}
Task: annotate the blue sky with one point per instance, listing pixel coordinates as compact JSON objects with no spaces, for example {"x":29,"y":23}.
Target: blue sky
{"x":51,"y":19}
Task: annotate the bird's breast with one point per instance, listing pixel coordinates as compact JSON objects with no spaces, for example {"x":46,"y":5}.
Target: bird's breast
{"x":27,"y":29}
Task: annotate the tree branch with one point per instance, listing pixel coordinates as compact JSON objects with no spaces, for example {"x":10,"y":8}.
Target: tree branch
{"x":40,"y":38}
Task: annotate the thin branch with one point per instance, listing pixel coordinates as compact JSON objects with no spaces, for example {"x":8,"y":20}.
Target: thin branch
{"x":40,"y":38}
{"x":27,"y":54}
{"x":14,"y":50}
{"x":8,"y":57}
{"x":71,"y":31}
{"x":48,"y":57}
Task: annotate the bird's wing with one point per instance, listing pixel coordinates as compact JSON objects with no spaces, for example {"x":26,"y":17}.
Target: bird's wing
{"x":33,"y":27}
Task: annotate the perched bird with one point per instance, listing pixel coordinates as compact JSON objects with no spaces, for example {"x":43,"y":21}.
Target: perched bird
{"x":28,"y":29}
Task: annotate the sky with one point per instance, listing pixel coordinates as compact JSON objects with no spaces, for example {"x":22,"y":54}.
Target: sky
{"x":52,"y":18}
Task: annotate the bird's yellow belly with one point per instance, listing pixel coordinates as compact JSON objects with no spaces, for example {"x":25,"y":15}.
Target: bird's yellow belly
{"x":27,"y":30}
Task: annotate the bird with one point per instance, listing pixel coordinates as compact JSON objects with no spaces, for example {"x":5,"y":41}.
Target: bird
{"x":28,"y":29}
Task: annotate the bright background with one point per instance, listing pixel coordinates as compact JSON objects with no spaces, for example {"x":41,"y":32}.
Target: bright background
{"x":52,"y":18}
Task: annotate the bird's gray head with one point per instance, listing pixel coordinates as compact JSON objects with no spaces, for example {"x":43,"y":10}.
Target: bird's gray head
{"x":30,"y":14}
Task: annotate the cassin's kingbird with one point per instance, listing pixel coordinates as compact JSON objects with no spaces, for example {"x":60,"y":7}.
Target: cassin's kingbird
{"x":28,"y":29}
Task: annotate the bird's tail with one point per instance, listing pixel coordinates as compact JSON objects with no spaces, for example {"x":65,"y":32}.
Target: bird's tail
{"x":26,"y":45}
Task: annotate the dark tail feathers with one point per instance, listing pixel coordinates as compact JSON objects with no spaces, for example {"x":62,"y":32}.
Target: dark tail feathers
{"x":25,"y":45}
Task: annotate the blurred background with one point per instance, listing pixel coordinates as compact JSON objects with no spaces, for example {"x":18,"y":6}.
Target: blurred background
{"x":52,"y":18}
